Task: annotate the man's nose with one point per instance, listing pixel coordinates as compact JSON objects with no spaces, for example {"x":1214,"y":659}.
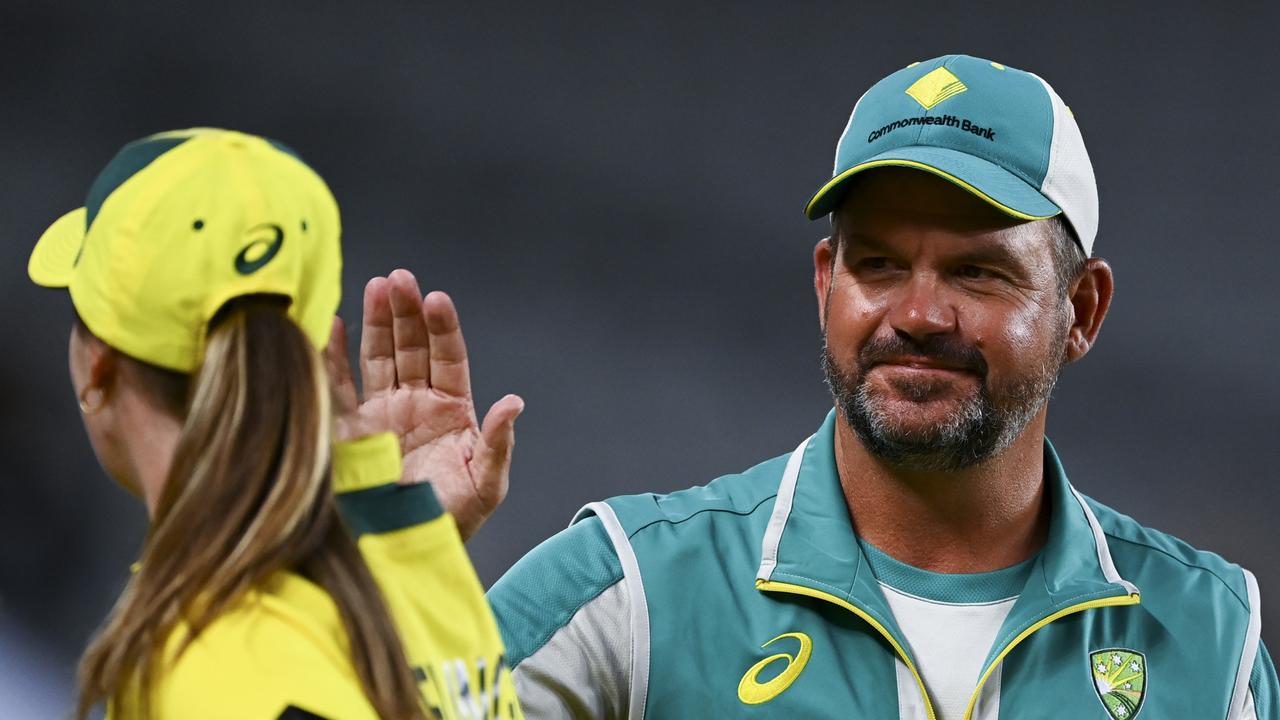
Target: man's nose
{"x":922,"y":310}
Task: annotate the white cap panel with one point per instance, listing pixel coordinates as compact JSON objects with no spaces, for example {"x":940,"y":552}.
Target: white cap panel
{"x":1069,"y":181}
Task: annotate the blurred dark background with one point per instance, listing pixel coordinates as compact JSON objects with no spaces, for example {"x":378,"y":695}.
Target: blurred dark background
{"x":612,"y":195}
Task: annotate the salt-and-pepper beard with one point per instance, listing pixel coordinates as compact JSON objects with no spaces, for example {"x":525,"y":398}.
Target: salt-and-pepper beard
{"x":981,"y":427}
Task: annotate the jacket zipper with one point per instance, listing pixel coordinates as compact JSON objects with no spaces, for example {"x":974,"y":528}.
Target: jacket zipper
{"x":1115,"y":600}
{"x":775,"y":586}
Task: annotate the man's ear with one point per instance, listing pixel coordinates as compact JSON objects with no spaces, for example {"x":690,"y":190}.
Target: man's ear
{"x":1090,"y":298}
{"x":824,"y":256}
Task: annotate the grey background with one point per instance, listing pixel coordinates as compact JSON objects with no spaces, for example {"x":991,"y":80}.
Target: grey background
{"x":612,"y":194}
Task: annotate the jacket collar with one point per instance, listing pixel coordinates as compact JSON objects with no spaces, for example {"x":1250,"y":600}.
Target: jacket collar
{"x":810,"y":542}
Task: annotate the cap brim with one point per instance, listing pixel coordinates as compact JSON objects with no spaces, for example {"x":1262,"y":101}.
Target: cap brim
{"x":1003,"y":190}
{"x":54,"y":258}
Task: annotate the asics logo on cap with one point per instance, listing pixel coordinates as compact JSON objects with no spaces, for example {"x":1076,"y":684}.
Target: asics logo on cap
{"x":260,"y":252}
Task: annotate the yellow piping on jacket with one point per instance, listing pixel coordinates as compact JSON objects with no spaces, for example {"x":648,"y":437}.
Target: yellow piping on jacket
{"x":1131,"y":599}
{"x":802,"y":590}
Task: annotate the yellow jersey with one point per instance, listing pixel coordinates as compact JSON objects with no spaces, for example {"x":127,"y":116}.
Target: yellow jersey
{"x":280,"y":652}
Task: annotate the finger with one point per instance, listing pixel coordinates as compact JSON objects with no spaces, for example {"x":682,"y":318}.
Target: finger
{"x":493,"y":452}
{"x":449,"y":369}
{"x":345,"y":399}
{"x":412,"y":346}
{"x":377,"y":343}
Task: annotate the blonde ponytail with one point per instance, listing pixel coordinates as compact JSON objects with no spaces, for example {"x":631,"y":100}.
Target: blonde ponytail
{"x":249,"y":493}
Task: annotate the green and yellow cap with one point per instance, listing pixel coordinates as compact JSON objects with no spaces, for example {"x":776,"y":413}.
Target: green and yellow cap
{"x":1000,"y":133}
{"x":179,"y":223}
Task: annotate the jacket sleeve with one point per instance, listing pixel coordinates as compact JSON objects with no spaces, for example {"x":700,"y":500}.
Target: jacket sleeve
{"x":413,"y":549}
{"x":564,"y":613}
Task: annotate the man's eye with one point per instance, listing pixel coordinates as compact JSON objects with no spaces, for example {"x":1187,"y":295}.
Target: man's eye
{"x":973,"y":272}
{"x":874,"y":263}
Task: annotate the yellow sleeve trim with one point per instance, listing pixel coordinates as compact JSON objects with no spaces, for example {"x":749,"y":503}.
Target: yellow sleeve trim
{"x":366,"y":462}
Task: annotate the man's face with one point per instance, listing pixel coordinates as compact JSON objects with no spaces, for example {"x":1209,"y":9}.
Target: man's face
{"x":944,"y":327}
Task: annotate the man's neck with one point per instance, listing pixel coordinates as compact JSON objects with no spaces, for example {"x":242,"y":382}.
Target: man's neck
{"x":979,"y":519}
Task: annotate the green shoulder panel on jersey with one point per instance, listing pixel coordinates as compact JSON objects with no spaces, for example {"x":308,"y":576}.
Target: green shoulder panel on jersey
{"x":703,"y":542}
{"x":1211,"y":603}
{"x":1151,"y":544}
{"x":739,"y":494}
{"x":544,"y":590}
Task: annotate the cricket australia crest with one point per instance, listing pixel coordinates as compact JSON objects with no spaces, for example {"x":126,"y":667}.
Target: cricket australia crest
{"x":1120,"y":679}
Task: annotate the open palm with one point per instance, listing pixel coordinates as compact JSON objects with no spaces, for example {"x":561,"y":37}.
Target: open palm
{"x":417,"y":384}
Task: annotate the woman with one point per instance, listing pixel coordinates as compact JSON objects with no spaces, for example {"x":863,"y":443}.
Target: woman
{"x":205,"y":273}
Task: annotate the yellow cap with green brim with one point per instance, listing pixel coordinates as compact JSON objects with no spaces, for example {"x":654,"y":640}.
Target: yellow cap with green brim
{"x":179,"y":223}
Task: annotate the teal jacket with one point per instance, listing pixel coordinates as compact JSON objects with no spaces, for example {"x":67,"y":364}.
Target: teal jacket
{"x":660,"y":606}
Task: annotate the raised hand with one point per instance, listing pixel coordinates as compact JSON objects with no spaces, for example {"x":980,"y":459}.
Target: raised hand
{"x":417,"y":384}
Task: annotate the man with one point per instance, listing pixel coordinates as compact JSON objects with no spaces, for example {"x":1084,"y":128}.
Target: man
{"x":923,"y":554}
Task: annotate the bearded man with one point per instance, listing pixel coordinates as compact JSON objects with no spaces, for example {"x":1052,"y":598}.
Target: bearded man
{"x":923,"y":554}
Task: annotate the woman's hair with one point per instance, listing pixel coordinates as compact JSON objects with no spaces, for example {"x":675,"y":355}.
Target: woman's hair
{"x":249,"y":493}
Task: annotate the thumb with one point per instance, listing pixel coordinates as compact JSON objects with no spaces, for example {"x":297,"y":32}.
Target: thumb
{"x":491,"y":462}
{"x":493,"y":455}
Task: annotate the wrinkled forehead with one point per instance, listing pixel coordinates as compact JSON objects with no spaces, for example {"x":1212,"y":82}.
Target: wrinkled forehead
{"x":909,"y":212}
